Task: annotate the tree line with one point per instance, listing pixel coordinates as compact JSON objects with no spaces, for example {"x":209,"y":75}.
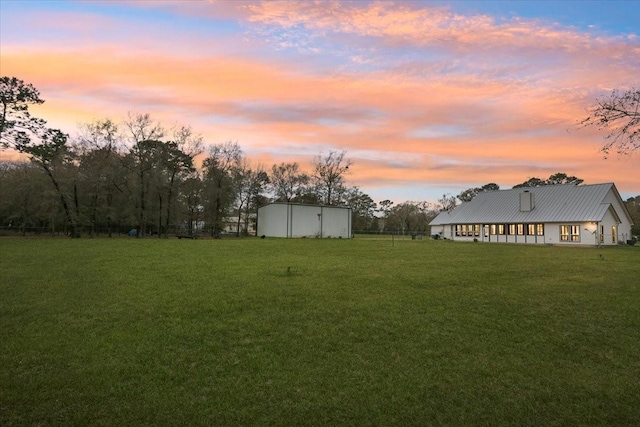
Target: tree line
{"x":137,"y":174}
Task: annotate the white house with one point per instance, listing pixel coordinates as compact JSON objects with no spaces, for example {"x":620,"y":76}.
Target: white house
{"x":551,"y":214}
{"x":297,"y":220}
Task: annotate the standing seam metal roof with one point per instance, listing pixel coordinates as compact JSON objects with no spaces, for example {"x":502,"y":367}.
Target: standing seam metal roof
{"x":552,"y":203}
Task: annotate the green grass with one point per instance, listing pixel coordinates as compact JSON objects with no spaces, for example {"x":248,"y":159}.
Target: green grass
{"x":317,"y":332}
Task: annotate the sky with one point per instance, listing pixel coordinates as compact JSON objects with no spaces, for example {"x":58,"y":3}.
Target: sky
{"x":426,"y":97}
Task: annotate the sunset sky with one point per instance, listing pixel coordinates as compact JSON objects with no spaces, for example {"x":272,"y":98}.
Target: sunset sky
{"x":426,"y":97}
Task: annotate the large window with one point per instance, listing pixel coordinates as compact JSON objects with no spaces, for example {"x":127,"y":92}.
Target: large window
{"x":512,"y":229}
{"x":500,"y":228}
{"x":520,"y":229}
{"x":531,"y":229}
{"x":540,"y":229}
{"x":570,"y":233}
{"x":468,"y":230}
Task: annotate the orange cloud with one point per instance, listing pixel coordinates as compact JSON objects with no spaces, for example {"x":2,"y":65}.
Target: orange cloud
{"x":456,"y":117}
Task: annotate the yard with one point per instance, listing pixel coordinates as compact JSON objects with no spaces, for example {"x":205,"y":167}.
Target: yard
{"x":317,"y":332}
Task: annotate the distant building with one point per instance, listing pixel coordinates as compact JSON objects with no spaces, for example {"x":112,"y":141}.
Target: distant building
{"x":297,"y":220}
{"x":550,"y":214}
{"x":246,"y":227}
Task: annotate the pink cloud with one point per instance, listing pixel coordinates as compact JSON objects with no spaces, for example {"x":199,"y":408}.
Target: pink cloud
{"x":434,"y":121}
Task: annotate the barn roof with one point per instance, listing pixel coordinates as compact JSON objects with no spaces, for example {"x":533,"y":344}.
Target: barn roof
{"x":552,"y":203}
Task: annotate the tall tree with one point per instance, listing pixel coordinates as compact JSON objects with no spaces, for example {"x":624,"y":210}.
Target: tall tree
{"x":633,"y":206}
{"x":144,"y":139}
{"x":174,"y":166}
{"x":52,"y":152}
{"x":249,"y":185}
{"x":363,"y":208}
{"x":100,"y":169}
{"x":17,"y":126}
{"x":54,"y":155}
{"x":469,"y":194}
{"x":563,"y":178}
{"x":218,"y":173}
{"x":178,"y":161}
{"x":191,"y":200}
{"x":287,"y":181}
{"x":25,"y":198}
{"x":555,"y":179}
{"x":328,"y":173}
{"x":619,"y":115}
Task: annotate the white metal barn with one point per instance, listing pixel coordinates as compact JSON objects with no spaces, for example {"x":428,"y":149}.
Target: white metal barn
{"x":297,"y":220}
{"x":551,"y":214}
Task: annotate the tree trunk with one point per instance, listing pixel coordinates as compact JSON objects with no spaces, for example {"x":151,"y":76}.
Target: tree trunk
{"x":141,"y":219}
{"x":159,"y":215}
{"x":169,"y":203}
{"x":72,"y":223}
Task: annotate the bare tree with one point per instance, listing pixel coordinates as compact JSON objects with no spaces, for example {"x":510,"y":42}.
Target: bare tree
{"x":218,"y":172}
{"x":447,"y":203}
{"x":144,"y":133}
{"x":249,"y":183}
{"x":287,"y":181}
{"x":619,"y":115}
{"x":100,"y":167}
{"x":179,"y":162}
{"x":191,"y":193}
{"x":328,"y":173}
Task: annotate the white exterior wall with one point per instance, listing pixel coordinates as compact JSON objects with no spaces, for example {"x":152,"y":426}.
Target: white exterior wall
{"x":600,"y":221}
{"x":605,"y":227}
{"x":624,"y":227}
{"x":304,"y":221}
{"x":336,"y":222}
{"x":293,"y":220}
{"x":589,"y":234}
{"x":270,"y":220}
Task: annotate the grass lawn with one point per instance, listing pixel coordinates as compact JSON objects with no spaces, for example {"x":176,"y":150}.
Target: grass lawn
{"x":317,"y":332}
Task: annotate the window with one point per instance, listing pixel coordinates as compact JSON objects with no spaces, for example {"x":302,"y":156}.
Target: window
{"x":493,"y":229}
{"x":512,"y":229}
{"x":531,"y":229}
{"x":520,"y":229}
{"x":476,"y":230}
{"x":458,"y":229}
{"x":540,"y":229}
{"x":570,"y":233}
{"x":613,"y":234}
{"x":500,"y":228}
{"x":464,"y":229}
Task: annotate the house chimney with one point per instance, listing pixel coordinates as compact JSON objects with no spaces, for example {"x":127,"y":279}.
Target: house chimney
{"x":526,"y":201}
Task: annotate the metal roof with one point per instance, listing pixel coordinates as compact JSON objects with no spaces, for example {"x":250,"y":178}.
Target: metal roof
{"x":552,"y":203}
